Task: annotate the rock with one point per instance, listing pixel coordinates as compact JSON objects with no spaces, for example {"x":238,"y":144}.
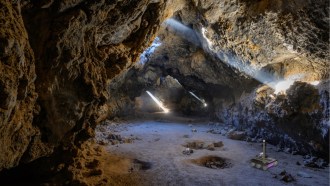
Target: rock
{"x":17,"y":92}
{"x":274,"y":45}
{"x":95,"y":172}
{"x":115,"y":142}
{"x":288,"y":151}
{"x":195,"y":144}
{"x":187,"y":151}
{"x":54,"y":82}
{"x":236,"y":135}
{"x":286,"y":177}
{"x":210,"y":147}
{"x":314,"y":162}
{"x":129,"y":140}
{"x":93,"y":164}
{"x":223,"y":132}
{"x":218,"y":144}
{"x":103,"y":142}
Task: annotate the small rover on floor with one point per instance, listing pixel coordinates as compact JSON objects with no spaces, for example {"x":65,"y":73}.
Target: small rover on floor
{"x":263,"y":162}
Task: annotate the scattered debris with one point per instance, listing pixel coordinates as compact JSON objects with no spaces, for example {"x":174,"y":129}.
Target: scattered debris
{"x":314,"y":162}
{"x":201,"y":145}
{"x":218,"y":144}
{"x":193,"y":130}
{"x":236,"y":135}
{"x":210,"y":147}
{"x":213,"y":162}
{"x":286,"y":177}
{"x":187,"y":151}
{"x":195,"y":144}
{"x":298,"y":163}
{"x":186,"y":136}
{"x":114,"y":139}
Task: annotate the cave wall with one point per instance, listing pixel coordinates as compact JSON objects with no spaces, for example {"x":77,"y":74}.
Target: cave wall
{"x":296,"y":122}
{"x":57,"y":58}
{"x":271,"y":33}
{"x":17,"y":88}
{"x":283,"y":39}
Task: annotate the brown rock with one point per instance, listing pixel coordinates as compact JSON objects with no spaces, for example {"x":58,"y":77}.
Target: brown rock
{"x":236,"y":135}
{"x":17,"y":88}
{"x":218,"y":144}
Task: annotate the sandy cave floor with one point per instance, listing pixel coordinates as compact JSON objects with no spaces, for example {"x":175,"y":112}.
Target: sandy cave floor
{"x":156,"y":157}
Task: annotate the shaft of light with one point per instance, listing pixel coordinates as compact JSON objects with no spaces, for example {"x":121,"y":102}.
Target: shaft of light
{"x":195,"y":96}
{"x":208,"y":42}
{"x":234,"y":61}
{"x":159,"y":103}
{"x":201,"y":100}
{"x":183,"y":31}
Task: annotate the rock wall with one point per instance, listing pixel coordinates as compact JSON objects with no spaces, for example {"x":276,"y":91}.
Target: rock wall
{"x":274,"y":38}
{"x":17,"y":88}
{"x":296,"y":122}
{"x":271,"y":32}
{"x":57,"y":58}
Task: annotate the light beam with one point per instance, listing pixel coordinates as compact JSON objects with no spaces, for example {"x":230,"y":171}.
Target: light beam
{"x":182,"y":30}
{"x":159,"y":103}
{"x":201,"y":100}
{"x":283,"y":85}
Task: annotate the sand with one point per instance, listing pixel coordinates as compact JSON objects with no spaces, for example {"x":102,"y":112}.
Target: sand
{"x":159,"y":146}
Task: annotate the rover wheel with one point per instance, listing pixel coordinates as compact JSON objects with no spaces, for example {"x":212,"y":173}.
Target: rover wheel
{"x":253,"y":164}
{"x":264,"y":168}
{"x":258,"y":166}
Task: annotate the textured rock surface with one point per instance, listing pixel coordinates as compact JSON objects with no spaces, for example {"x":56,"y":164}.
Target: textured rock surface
{"x":295,"y":122}
{"x":17,"y":89}
{"x":278,"y":33}
{"x":223,"y":43}
{"x":58,"y":59}
{"x":68,"y":50}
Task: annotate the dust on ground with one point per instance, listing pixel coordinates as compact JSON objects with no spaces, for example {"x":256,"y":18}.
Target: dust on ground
{"x":155,"y":156}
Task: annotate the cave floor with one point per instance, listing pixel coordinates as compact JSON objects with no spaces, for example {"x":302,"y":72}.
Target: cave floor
{"x":158,"y":148}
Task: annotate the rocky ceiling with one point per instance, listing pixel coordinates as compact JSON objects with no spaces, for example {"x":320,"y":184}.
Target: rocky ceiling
{"x":59,"y":58}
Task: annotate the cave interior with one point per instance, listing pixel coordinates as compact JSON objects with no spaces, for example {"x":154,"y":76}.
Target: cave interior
{"x":160,"y":92}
